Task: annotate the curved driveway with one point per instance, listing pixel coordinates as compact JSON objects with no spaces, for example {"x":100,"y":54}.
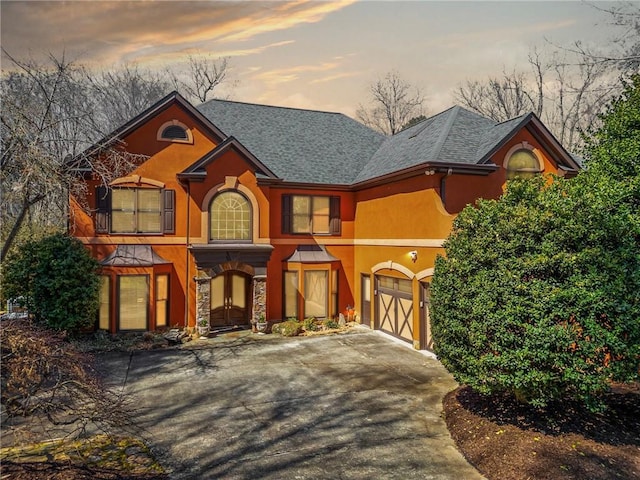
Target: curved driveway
{"x":246,"y":406}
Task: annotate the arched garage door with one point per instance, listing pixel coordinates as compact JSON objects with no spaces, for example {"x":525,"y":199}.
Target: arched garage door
{"x":394,"y":307}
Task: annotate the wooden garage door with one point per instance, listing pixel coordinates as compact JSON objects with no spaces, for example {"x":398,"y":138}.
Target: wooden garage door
{"x":394,"y":307}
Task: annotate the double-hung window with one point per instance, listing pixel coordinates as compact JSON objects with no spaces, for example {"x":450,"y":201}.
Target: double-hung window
{"x":311,"y":214}
{"x":135,"y":210}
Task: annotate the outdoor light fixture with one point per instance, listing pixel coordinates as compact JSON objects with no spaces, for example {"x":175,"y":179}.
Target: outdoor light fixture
{"x":414,"y":255}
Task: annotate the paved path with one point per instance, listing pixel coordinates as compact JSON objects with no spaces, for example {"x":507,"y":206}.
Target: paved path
{"x":354,"y":406}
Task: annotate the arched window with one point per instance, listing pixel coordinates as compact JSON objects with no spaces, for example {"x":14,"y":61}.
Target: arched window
{"x":522,"y":162}
{"x":175,"y":131}
{"x":230,"y":217}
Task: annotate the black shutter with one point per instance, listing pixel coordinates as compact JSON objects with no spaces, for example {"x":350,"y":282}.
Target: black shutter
{"x":287,"y":215}
{"x":169,"y":211}
{"x":335,"y":224}
{"x":103,"y":204}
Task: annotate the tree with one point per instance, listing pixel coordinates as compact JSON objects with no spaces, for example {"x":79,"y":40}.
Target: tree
{"x":394,"y":102}
{"x":119,"y":94}
{"x":538,"y":293}
{"x":45,"y":378}
{"x":567,"y":90}
{"x":50,"y":113}
{"x":413,"y":121}
{"x":59,"y":280}
{"x":205,"y":75}
{"x":614,"y":147}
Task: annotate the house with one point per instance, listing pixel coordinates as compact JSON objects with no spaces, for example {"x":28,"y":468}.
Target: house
{"x":234,"y":210}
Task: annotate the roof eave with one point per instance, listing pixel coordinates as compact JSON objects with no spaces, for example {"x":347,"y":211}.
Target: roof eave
{"x":141,"y":118}
{"x":423,"y":168}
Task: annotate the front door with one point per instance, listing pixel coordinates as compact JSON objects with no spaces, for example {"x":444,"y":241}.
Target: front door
{"x":229,"y":299}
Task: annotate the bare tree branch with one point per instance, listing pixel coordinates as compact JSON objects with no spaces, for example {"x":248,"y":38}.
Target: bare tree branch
{"x":394,"y":103}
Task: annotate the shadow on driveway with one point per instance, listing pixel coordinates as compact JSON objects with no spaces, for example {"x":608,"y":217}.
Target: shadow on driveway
{"x":354,"y":406}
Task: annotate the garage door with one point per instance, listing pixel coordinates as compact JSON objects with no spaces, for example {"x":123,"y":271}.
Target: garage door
{"x":394,"y":307}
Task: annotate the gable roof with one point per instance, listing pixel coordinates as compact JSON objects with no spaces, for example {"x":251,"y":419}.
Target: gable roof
{"x":196,"y":171}
{"x":304,"y":146}
{"x":79,"y":162}
{"x":459,"y":138}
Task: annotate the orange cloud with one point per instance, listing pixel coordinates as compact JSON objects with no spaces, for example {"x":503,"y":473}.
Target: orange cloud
{"x":113,"y":31}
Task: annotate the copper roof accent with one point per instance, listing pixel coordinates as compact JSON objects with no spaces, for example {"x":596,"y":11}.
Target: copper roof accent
{"x":133,"y":256}
{"x":311,"y":254}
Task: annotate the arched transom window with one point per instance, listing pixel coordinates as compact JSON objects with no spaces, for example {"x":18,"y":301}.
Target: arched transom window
{"x":230,"y":217}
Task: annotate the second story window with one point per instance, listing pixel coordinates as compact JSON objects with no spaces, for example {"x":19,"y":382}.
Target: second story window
{"x":311,"y":214}
{"x":136,"y":210}
{"x":123,"y":210}
{"x":230,"y":217}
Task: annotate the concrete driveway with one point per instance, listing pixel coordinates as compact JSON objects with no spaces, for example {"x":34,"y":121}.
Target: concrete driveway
{"x":248,"y":406}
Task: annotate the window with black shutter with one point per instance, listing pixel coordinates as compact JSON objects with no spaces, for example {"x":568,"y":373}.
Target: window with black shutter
{"x":135,"y":210}
{"x":311,"y":214}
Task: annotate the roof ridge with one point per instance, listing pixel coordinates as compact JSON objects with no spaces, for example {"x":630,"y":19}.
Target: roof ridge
{"x":272,"y":106}
{"x":446,"y":131}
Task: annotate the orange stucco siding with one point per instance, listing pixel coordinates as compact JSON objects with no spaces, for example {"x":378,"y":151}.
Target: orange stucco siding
{"x":380,"y":224}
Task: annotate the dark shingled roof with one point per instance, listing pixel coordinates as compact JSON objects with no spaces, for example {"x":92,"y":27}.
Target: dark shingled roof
{"x":308,"y":146}
{"x":298,"y":145}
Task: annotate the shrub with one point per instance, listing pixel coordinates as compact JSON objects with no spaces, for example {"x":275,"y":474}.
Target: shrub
{"x":290,"y":328}
{"x":58,"y":278}
{"x":330,"y":324}
{"x":310,"y":324}
{"x":538,"y":295}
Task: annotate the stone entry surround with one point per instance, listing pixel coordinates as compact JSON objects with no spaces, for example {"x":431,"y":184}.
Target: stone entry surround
{"x":258,"y":290}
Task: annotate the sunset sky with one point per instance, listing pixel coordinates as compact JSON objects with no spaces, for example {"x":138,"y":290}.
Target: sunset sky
{"x":319,"y":55}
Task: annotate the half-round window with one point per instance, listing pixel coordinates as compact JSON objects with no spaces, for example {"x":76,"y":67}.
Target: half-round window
{"x":522,"y":163}
{"x":175,"y":131}
{"x":230,"y":217}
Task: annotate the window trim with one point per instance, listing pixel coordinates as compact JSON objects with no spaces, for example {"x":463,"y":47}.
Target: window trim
{"x":174,"y":123}
{"x":103,"y":215}
{"x":210,"y":217}
{"x":298,"y":294}
{"x":137,"y":211}
{"x":335,"y":218}
{"x":118,"y":303}
{"x":108,"y":303}
{"x":515,"y":149}
{"x":156,"y":276}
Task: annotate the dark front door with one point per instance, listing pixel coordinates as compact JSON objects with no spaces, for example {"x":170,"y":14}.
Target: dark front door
{"x":229,"y":299}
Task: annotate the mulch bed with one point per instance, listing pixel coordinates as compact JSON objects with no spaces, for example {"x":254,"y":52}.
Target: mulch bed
{"x":507,"y":440}
{"x":64,"y":471}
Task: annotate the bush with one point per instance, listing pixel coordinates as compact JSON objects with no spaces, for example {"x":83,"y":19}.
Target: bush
{"x":310,"y":324}
{"x":290,"y":328}
{"x":59,"y":280}
{"x":538,"y":295}
{"x":330,"y":324}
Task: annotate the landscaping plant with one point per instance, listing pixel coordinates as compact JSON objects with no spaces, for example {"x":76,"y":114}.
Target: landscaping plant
{"x":58,"y":280}
{"x":539,"y":293}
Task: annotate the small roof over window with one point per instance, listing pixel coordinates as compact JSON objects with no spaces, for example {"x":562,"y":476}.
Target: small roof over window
{"x":133,"y":256}
{"x":311,"y":254}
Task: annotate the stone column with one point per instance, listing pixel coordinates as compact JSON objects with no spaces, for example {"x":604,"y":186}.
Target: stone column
{"x":203,"y":297}
{"x":259,"y":297}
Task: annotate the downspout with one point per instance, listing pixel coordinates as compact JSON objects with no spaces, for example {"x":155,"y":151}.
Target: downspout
{"x":186,"y":278}
{"x":442,"y":187}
